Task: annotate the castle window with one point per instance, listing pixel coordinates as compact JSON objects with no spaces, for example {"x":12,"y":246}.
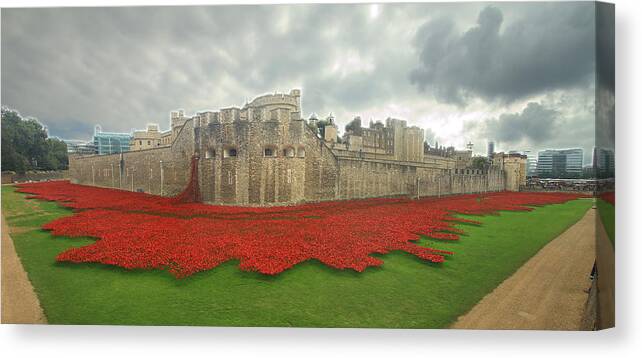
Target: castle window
{"x":210,"y":153}
{"x":149,"y":142}
{"x":288,"y":152}
{"x":229,"y":152}
{"x":300,"y":152}
{"x":269,"y":152}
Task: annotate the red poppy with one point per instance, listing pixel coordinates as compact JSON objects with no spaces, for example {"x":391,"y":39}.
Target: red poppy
{"x":142,"y":231}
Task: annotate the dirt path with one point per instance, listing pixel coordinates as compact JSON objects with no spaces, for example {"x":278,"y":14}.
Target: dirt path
{"x":545,"y":293}
{"x":19,"y":301}
{"x":606,"y":277}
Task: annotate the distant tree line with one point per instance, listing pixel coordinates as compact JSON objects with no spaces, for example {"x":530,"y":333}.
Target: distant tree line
{"x":25,"y":145}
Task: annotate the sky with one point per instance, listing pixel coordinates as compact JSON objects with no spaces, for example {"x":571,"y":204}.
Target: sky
{"x":519,"y":74}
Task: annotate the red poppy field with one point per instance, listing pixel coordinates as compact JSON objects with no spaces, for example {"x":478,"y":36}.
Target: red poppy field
{"x":141,"y":231}
{"x":609,"y":197}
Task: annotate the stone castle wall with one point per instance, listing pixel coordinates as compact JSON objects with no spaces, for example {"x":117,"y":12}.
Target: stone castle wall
{"x":263,"y":154}
{"x":159,"y":171}
{"x":9,"y":177}
{"x":299,"y":168}
{"x":368,"y":178}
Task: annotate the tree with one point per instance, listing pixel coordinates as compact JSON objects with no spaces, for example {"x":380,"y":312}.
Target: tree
{"x":321,"y":126}
{"x":354,"y":126}
{"x":480,"y":163}
{"x":25,"y":145}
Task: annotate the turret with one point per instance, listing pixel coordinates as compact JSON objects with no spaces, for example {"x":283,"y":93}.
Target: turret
{"x":296,"y":93}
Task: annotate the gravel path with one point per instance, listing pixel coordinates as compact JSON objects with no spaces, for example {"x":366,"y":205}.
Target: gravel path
{"x":547,"y":292}
{"x":606,"y":277}
{"x":19,"y":301}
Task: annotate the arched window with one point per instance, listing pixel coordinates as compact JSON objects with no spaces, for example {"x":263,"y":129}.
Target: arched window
{"x":300,"y":152}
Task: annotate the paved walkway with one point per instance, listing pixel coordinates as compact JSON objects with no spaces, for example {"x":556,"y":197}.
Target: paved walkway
{"x":19,"y":301}
{"x":547,"y":292}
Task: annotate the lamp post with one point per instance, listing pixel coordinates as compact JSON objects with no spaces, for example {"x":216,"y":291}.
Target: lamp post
{"x":161,"y":177}
{"x":120,"y":172}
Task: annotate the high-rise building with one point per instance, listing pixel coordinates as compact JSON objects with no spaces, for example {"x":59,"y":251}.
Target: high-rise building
{"x":560,"y":163}
{"x":574,"y":162}
{"x":604,"y":162}
{"x":491,"y":149}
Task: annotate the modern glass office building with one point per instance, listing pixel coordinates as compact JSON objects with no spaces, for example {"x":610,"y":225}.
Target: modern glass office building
{"x":109,"y":142}
{"x":560,"y":163}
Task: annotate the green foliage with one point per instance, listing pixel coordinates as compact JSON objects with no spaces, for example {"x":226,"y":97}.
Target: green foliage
{"x":321,"y":126}
{"x":25,"y":145}
{"x":480,"y":163}
{"x":354,"y":126}
{"x":404,"y":292}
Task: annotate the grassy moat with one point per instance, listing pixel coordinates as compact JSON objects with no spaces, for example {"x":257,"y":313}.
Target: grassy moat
{"x":405,"y":292}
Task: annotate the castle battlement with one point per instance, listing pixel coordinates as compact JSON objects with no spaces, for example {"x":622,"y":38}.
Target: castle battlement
{"x":264,"y":154}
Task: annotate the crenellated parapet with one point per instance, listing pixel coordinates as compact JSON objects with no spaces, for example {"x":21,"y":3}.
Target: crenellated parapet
{"x":264,"y":154}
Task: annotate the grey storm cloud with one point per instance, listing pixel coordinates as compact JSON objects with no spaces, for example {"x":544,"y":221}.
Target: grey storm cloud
{"x":557,"y":121}
{"x":535,"y":123}
{"x":605,"y":77}
{"x":550,"y":47}
{"x":123,"y":67}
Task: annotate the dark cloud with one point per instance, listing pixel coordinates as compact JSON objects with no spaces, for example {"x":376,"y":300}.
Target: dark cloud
{"x":535,"y":123}
{"x":123,"y":67}
{"x":549,"y":47}
{"x":564,"y":121}
{"x":605,"y":76}
{"x":605,"y":41}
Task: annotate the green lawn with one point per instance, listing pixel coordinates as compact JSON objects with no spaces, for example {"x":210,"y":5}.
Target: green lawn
{"x":404,"y":292}
{"x":607,"y":214}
